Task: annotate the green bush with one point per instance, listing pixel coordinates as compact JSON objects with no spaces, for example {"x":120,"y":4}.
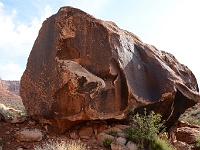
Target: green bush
{"x":112,"y":132}
{"x":197,"y":143}
{"x":159,"y":144}
{"x":107,"y":142}
{"x":144,"y":128}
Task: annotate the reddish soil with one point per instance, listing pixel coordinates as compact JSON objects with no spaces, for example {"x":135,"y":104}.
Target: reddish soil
{"x":8,"y":130}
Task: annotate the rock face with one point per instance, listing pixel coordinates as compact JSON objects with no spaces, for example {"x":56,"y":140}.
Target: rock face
{"x":183,"y":135}
{"x":82,"y":68}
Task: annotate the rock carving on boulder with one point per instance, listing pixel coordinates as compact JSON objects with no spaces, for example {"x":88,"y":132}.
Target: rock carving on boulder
{"x":82,"y":68}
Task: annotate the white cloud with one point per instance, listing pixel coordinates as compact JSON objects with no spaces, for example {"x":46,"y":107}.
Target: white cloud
{"x":10,"y":71}
{"x":180,"y":35}
{"x":17,"y":37}
{"x":48,"y":12}
{"x":16,"y":40}
{"x":94,"y":7}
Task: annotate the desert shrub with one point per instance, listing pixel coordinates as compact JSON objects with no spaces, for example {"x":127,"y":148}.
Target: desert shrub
{"x":160,"y":144}
{"x":107,"y":142}
{"x":112,"y":132}
{"x":13,"y":110}
{"x":61,"y":145}
{"x":193,"y":120}
{"x":197,"y":142}
{"x":144,"y":128}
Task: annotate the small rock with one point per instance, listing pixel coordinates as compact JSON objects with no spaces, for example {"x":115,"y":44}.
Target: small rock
{"x":16,"y":120}
{"x":118,"y":130}
{"x":122,"y":127}
{"x":187,"y":134}
{"x":85,"y":137}
{"x":28,"y":135}
{"x":73,"y":135}
{"x":121,"y":134}
{"x":16,"y":129}
{"x":131,"y":146}
{"x":102,"y":136}
{"x":183,"y":123}
{"x":116,"y":146}
{"x":121,"y":141}
{"x":86,"y":132}
{"x":102,"y":127}
{"x":7,"y":132}
{"x":26,"y":146}
{"x":20,"y":149}
{"x":32,"y":123}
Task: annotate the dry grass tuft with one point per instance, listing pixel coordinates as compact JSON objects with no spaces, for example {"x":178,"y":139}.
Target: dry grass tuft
{"x":61,"y":145}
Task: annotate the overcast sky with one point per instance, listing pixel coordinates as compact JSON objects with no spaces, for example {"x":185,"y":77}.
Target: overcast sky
{"x":170,"y":25}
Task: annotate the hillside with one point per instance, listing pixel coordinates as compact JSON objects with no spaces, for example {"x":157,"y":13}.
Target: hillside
{"x":11,"y":86}
{"x":9,"y":91}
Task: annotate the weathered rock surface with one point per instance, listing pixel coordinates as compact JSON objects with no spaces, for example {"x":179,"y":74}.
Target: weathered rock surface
{"x":29,"y":135}
{"x":86,"y":132}
{"x":82,"y":68}
{"x":183,"y":135}
{"x":182,"y":146}
{"x":187,"y":134}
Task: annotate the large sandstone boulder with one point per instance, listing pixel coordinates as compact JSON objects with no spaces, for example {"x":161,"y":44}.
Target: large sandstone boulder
{"x":82,"y":68}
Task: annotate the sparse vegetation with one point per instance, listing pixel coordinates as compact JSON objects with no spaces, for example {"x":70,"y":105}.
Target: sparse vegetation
{"x":61,"y":145}
{"x":160,"y":144}
{"x":144,"y":128}
{"x":197,"y":142}
{"x":193,"y":120}
{"x":107,"y":142}
{"x":192,"y":115}
{"x":13,"y":109}
{"x":112,"y":132}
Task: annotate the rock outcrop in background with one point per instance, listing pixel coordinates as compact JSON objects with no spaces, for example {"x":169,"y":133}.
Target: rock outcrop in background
{"x":9,"y":90}
{"x":12,"y":86}
{"x":82,"y":68}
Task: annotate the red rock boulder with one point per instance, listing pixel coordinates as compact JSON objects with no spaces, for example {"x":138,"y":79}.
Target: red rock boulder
{"x":82,"y":68}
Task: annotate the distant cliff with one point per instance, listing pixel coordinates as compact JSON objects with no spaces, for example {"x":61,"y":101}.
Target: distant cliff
{"x":9,"y":90}
{"x":11,"y":86}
